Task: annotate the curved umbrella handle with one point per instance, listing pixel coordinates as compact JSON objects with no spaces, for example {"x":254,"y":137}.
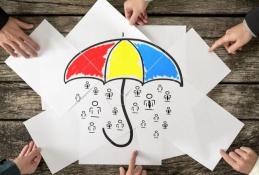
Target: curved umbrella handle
{"x":127,"y":119}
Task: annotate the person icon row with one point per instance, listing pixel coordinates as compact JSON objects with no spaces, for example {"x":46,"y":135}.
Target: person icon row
{"x":160,"y":88}
{"x":87,"y":85}
{"x":95,"y":110}
{"x":143,"y":124}
{"x":156,"y":118}
{"x":96,"y":91}
{"x":78,"y":97}
{"x":156,"y":134}
{"x":165,"y":125}
{"x":168,"y":110}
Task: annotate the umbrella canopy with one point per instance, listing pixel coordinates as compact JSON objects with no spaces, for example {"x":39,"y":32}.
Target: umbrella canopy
{"x":124,"y":59}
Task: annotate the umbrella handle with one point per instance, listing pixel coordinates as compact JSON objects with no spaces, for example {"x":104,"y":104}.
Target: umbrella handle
{"x":127,"y":119}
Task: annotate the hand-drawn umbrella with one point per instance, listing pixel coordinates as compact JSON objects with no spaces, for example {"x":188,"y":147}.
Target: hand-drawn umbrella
{"x":123,"y":58}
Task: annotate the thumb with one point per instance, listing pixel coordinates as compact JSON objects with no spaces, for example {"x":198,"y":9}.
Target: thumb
{"x":134,"y":18}
{"x":24,"y":25}
{"x":122,"y":171}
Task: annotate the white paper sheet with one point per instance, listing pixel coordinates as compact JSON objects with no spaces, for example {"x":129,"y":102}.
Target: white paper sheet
{"x":56,"y":137}
{"x":203,"y":131}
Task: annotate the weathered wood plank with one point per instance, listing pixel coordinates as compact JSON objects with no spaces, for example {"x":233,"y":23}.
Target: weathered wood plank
{"x":13,"y":136}
{"x":157,"y":7}
{"x":18,"y":101}
{"x":209,"y":27}
{"x":244,"y":65}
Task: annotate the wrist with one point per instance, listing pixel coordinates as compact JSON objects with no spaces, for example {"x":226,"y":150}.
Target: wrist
{"x":248,"y":29}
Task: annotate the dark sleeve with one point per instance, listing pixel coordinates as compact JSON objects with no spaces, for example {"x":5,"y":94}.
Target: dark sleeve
{"x":8,"y":167}
{"x":252,"y":20}
{"x":3,"y":18}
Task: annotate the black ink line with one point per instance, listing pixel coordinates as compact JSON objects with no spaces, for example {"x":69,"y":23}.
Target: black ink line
{"x":127,"y":119}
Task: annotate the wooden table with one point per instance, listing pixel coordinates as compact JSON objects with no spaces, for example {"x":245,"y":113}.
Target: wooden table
{"x":238,"y":92}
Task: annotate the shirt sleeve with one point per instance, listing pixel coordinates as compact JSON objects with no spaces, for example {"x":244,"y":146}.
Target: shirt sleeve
{"x":255,"y":170}
{"x":8,"y":167}
{"x":252,"y":21}
{"x":3,"y":18}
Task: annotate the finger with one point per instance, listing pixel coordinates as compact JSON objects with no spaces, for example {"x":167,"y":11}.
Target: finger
{"x":9,"y":50}
{"x":133,"y":161}
{"x":234,"y":47}
{"x":144,"y":172}
{"x":128,"y":13}
{"x":134,"y":17}
{"x":37,"y":160}
{"x":29,"y":148}
{"x":24,"y":150}
{"x":227,"y":158}
{"x":241,"y":153}
{"x":218,"y":43}
{"x":234,"y":156}
{"x":138,"y":170}
{"x":145,"y":17}
{"x":34,"y":153}
{"x":18,"y":49}
{"x":25,"y":47}
{"x":31,"y":42}
{"x":140,"y":22}
{"x":246,"y":149}
{"x":122,"y":171}
{"x":24,"y":25}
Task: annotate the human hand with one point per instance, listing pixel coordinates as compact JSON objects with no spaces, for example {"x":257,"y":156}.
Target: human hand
{"x":15,"y":41}
{"x":133,"y":169}
{"x":241,"y":160}
{"x":135,"y":11}
{"x":234,"y":39}
{"x":28,"y":159}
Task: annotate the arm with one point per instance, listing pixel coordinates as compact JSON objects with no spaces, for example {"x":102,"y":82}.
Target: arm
{"x":255,"y":170}
{"x":8,"y":167}
{"x":3,"y":18}
{"x":252,"y":21}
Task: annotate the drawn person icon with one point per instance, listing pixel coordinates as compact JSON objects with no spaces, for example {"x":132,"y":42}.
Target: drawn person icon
{"x":83,"y":115}
{"x":135,"y":108}
{"x":156,"y":118}
{"x":87,"y":85}
{"x":168,"y":110}
{"x":77,"y":97}
{"x":95,"y":110}
{"x":156,"y":134}
{"x":137,"y":91}
{"x":109,"y":94}
{"x":115,"y":111}
{"x":95,"y":91}
{"x":160,"y":88}
{"x":167,"y":96}
{"x":91,"y":127}
{"x":143,"y":124}
{"x":149,"y":102}
{"x":164,"y":125}
{"x":109,"y":125}
{"x":120,"y":125}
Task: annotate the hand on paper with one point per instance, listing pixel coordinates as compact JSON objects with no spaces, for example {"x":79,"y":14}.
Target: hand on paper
{"x":234,"y":39}
{"x":135,"y":11}
{"x":15,"y":41}
{"x":241,"y":160}
{"x":133,"y":169}
{"x":28,"y":159}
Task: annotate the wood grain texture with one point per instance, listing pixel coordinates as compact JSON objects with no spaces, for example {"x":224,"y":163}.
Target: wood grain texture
{"x":18,"y":101}
{"x":244,"y":66}
{"x":13,"y":136}
{"x":39,"y":7}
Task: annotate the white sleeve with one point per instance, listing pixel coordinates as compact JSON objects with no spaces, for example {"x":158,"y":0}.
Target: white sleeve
{"x":255,"y":170}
